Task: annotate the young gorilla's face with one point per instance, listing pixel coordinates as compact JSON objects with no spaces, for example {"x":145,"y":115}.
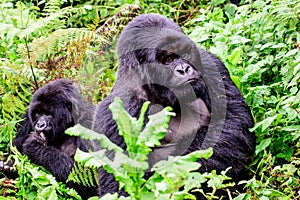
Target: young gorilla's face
{"x":50,"y":121}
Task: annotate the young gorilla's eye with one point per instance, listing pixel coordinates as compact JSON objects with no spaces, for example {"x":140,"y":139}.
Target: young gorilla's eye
{"x":37,"y":115}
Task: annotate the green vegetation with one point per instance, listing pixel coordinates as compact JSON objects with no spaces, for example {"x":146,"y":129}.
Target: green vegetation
{"x":172,"y":179}
{"x":258,"y":41}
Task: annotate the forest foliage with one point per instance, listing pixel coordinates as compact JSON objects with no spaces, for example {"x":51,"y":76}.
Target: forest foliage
{"x":259,"y":42}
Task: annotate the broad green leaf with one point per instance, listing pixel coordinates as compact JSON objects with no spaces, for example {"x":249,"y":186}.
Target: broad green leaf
{"x":235,"y":56}
{"x":92,"y":159}
{"x":217,"y":181}
{"x":291,"y":128}
{"x":265,"y":123}
{"x":48,"y":193}
{"x":88,"y":134}
{"x":194,"y":180}
{"x":263,"y":145}
{"x":144,"y":109}
{"x":109,"y":197}
{"x":129,"y":163}
{"x":125,"y":122}
{"x":156,"y":128}
{"x":182,"y":164}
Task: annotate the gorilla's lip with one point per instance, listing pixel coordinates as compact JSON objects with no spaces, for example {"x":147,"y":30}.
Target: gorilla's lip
{"x":192,"y":80}
{"x":42,"y":135}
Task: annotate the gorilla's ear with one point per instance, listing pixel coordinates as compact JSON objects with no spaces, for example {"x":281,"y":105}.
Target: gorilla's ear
{"x":128,"y":61}
{"x":76,"y":107}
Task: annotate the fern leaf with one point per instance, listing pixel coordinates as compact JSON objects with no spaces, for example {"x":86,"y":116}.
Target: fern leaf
{"x":88,"y":176}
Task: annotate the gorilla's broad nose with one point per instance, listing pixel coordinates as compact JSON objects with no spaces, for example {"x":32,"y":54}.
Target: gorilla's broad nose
{"x":183,"y":70}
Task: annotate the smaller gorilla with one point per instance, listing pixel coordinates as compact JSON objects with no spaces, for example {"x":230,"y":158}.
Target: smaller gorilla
{"x":54,"y":108}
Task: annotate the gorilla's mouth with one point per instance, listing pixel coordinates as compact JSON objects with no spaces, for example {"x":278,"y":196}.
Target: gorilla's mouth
{"x":192,"y":80}
{"x":42,"y":135}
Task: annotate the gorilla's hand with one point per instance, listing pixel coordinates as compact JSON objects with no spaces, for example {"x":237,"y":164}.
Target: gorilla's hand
{"x":34,"y":140}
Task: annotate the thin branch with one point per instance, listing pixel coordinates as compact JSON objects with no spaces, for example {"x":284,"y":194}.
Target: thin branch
{"x":29,"y":58}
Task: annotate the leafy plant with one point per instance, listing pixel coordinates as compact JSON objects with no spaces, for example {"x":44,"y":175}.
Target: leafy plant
{"x":259,"y":46}
{"x":34,"y":182}
{"x":274,"y":182}
{"x":172,"y":179}
{"x":259,"y":42}
{"x":14,"y":98}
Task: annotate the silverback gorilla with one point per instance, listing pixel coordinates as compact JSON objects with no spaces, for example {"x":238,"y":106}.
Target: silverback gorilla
{"x":160,"y":64}
{"x":54,"y":108}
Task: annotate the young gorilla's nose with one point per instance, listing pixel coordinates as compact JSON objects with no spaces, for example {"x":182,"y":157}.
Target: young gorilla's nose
{"x":40,"y":126}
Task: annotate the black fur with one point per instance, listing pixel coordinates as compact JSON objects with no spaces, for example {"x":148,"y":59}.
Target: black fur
{"x":52,"y":148}
{"x":210,"y":110}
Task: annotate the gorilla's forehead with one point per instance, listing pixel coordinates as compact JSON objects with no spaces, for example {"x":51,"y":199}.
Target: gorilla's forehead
{"x":39,"y":106}
{"x":47,"y":106}
{"x":154,"y":38}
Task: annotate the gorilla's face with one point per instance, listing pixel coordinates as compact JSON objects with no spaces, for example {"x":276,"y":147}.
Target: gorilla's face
{"x":180,"y":71}
{"x":157,"y":54}
{"x":50,"y":119}
{"x":169,"y":76}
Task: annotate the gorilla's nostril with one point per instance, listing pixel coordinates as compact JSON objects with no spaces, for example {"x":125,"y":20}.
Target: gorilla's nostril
{"x":180,"y":71}
{"x":187,"y":69}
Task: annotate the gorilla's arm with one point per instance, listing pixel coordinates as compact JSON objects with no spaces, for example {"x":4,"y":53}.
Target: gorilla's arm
{"x":58,"y":163}
{"x":238,"y":120}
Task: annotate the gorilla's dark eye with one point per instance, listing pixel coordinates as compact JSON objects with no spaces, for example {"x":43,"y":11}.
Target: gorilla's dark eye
{"x":69,"y":107}
{"x":168,"y":60}
{"x":165,"y":57}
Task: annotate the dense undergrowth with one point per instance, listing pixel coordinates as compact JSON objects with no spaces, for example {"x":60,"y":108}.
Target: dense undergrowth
{"x":258,"y":41}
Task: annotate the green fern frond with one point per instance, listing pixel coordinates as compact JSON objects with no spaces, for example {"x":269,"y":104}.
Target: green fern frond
{"x":54,"y":20}
{"x":15,"y":91}
{"x":43,"y":23}
{"x":56,"y":41}
{"x":15,"y":95}
{"x":87,"y":176}
{"x":52,"y":6}
{"x":117,"y":22}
